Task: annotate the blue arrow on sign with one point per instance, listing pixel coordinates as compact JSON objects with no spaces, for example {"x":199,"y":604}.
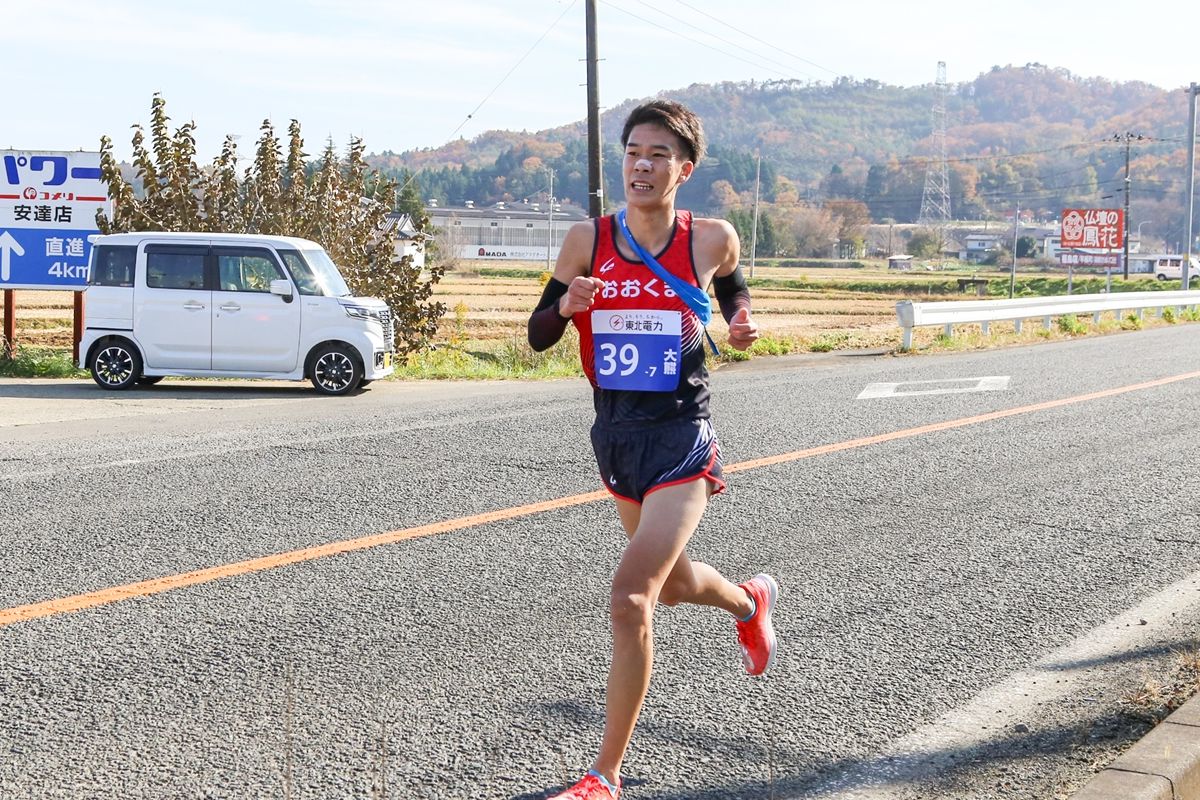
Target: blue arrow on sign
{"x":8,"y":246}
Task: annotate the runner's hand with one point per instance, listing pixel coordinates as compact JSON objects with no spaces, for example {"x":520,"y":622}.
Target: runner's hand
{"x":579,"y":295}
{"x":743,"y":331}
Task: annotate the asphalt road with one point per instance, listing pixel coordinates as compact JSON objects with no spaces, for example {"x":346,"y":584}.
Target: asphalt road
{"x":960,"y":605}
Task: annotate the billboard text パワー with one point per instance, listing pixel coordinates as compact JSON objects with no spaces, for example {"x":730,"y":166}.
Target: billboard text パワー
{"x":48,"y":204}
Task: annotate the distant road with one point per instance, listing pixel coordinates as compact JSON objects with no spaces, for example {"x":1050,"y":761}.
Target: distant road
{"x":978,"y":554}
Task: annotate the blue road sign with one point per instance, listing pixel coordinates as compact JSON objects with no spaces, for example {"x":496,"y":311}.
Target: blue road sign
{"x":48,"y":205}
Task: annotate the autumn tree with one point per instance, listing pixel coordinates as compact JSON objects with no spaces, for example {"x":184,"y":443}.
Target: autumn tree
{"x":335,"y":201}
{"x":925,"y":244}
{"x":852,"y":217}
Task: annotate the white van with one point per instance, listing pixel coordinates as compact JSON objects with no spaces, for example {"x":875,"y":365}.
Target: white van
{"x":1165,"y":266}
{"x":227,"y":305}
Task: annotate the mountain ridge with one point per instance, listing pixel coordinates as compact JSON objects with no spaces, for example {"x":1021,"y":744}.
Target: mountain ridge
{"x":1038,"y":135}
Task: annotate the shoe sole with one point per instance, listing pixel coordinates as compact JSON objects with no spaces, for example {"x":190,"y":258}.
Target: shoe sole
{"x":772,"y":595}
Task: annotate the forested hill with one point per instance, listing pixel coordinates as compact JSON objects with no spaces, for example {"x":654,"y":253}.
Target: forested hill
{"x":1033,"y":135}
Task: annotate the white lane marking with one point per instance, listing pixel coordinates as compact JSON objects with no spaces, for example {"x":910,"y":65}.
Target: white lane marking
{"x":989,"y":717}
{"x":988,"y":383}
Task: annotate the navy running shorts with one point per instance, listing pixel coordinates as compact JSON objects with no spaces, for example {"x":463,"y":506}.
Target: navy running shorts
{"x":636,"y":461}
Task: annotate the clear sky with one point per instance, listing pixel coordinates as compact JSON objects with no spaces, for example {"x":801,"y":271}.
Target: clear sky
{"x":404,"y":74}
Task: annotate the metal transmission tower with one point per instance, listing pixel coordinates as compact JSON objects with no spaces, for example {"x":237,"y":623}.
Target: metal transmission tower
{"x":935,"y":200}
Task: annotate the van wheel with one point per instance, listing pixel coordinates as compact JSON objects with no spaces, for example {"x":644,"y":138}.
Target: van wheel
{"x":149,"y":380}
{"x":335,"y":370}
{"x":116,"y":365}
{"x":1161,"y":277}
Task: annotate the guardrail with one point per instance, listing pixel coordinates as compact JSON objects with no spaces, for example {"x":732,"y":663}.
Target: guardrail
{"x":955,"y":312}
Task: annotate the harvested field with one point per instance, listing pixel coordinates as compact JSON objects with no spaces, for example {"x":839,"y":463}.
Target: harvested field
{"x":498,"y":307}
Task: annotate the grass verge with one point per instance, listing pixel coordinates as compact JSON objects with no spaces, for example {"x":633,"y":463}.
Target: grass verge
{"x":40,"y":362}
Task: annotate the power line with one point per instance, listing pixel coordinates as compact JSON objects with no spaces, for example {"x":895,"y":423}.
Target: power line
{"x":755,"y":38}
{"x":998,"y":192}
{"x":1002,"y":157}
{"x":719,"y":38}
{"x":707,"y":45}
{"x":496,"y":88}
{"x":508,"y":74}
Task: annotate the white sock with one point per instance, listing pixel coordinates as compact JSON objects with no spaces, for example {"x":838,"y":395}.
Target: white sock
{"x":611,"y":789}
{"x":753,"y":609}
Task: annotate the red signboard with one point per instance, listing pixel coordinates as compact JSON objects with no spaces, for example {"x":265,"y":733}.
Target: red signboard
{"x":1096,"y":228}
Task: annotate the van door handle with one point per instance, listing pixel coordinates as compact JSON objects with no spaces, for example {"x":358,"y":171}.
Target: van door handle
{"x":194,"y":306}
{"x":231,"y":307}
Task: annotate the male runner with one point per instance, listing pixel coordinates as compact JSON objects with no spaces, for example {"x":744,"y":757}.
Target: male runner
{"x":642,"y":347}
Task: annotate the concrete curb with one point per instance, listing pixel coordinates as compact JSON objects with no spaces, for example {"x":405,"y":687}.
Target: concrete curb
{"x":1163,"y":765}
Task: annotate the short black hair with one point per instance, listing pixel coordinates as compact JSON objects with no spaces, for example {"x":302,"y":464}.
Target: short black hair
{"x":674,"y":117}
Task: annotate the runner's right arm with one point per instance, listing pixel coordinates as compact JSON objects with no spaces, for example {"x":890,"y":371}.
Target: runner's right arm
{"x":569,"y":291}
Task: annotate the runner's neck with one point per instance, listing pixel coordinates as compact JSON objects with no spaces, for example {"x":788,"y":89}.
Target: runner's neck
{"x":651,"y":228}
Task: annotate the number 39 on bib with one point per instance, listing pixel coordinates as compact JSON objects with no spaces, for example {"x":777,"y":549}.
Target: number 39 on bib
{"x":637,"y":351}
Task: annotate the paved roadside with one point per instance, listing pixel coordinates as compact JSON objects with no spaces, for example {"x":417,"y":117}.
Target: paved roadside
{"x":36,"y":401}
{"x":1163,"y":765}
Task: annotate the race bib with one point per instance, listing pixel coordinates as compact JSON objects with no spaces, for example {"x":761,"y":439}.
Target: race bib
{"x":637,"y":350}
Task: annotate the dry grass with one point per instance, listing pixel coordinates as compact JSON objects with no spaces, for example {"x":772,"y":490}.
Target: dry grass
{"x":1156,"y":698}
{"x":498,"y":308}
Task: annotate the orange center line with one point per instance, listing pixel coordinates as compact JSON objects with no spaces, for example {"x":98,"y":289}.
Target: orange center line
{"x":168,"y":583}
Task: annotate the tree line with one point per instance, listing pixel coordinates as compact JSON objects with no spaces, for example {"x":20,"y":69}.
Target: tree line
{"x":335,"y":200}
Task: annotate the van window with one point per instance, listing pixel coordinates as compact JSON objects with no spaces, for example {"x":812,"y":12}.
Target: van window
{"x":315,"y":273}
{"x":175,"y":267}
{"x":112,"y":265}
{"x":246,"y":270}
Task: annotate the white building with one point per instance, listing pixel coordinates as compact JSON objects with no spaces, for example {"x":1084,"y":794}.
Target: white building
{"x":978,"y":246}
{"x":505,"y":231}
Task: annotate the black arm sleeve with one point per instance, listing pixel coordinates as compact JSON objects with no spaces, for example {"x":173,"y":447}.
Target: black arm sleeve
{"x":546,"y":325}
{"x":732,"y":293}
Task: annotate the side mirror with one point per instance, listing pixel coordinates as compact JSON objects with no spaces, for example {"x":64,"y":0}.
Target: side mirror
{"x":282,"y":288}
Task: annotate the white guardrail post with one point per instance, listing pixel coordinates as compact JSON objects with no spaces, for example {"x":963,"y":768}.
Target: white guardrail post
{"x":949,"y":313}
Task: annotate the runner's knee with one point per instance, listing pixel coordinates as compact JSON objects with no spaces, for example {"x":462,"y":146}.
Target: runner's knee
{"x":630,"y":607}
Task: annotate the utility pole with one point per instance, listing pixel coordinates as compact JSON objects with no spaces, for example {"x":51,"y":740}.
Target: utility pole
{"x":550,"y":220}
{"x":754,"y":230}
{"x":1012,"y":278}
{"x":1127,"y":138}
{"x":1193,"y":90}
{"x":595,"y":189}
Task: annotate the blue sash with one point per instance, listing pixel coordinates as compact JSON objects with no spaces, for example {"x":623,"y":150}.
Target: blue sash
{"x":693,"y":296}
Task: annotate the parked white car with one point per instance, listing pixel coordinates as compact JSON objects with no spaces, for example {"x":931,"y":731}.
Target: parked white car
{"x":228,"y":305}
{"x":1164,"y":267}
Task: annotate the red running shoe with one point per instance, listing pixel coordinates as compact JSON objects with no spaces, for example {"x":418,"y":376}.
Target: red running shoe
{"x":590,"y":788}
{"x":756,"y":635}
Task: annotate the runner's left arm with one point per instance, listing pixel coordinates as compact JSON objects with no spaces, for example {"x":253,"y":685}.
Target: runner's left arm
{"x":729,"y":285}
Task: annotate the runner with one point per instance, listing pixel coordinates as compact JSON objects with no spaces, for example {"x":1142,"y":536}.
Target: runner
{"x":641,"y":338}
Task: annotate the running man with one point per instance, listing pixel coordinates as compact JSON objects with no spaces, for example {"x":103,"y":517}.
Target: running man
{"x":642,"y":348}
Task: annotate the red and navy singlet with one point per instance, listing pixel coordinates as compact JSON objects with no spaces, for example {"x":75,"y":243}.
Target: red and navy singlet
{"x":642,"y":348}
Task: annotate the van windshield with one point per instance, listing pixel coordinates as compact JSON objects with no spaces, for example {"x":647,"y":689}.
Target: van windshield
{"x":315,"y":273}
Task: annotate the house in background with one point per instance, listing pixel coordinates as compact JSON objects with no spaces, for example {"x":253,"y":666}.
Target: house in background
{"x":402,"y":227}
{"x":978,"y":247}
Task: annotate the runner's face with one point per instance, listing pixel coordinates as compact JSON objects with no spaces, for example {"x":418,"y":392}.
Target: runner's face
{"x":654,"y":165}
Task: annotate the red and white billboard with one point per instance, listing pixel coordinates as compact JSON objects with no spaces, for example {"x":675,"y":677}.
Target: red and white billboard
{"x":1093,"y":228}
